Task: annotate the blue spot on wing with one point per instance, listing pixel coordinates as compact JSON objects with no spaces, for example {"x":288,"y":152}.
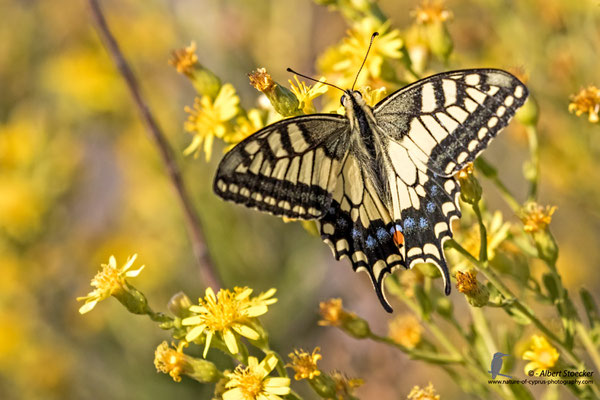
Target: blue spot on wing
{"x":409,"y":224}
{"x":423,"y":223}
{"x":382,"y":233}
{"x":370,"y":242}
{"x":430,"y":207}
{"x":355,"y":233}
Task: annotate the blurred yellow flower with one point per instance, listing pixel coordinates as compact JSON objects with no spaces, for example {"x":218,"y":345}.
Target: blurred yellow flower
{"x":109,"y":281}
{"x":305,"y":364}
{"x":171,"y":361}
{"x":209,"y":119}
{"x":344,"y":386}
{"x":306,"y":93}
{"x":253,"y":382}
{"x":536,"y":218}
{"x":427,"y":393}
{"x":261,"y":80}
{"x":225,"y":313}
{"x":21,"y":206}
{"x":342,"y":61}
{"x":405,"y":330}
{"x":430,"y":11}
{"x":466,"y":282}
{"x":246,"y":126}
{"x":541,"y":354}
{"x":184,"y":60}
{"x":332,"y":313}
{"x":587,"y":101}
{"x":373,"y":96}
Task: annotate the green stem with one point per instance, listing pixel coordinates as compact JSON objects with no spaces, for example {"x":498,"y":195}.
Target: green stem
{"x":491,"y":173}
{"x":483,"y":256}
{"x":534,"y":174}
{"x":419,"y":354}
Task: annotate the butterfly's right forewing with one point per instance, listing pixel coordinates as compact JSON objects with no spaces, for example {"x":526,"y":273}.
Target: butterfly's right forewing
{"x":288,"y":168}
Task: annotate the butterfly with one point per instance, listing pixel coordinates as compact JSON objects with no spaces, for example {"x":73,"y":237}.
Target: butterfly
{"x":379,"y":181}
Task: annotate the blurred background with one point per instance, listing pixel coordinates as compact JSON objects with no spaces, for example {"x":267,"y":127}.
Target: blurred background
{"x":79,"y":181}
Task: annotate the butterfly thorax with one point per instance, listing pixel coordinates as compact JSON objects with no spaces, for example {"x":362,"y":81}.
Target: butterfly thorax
{"x":366,"y":141}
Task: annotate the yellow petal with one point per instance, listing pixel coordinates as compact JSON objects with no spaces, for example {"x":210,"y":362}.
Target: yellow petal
{"x":209,"y":336}
{"x":230,"y":341}
{"x":269,"y":363}
{"x":246,"y":331}
{"x":87,"y":307}
{"x":129,"y":262}
{"x":194,"y":333}
{"x":112,"y":262}
{"x":277,"y":385}
{"x":195,"y":320}
{"x":198,"y":309}
{"x":255,"y":311}
{"x":210,"y":294}
{"x":134,"y":273}
{"x":234,"y":394}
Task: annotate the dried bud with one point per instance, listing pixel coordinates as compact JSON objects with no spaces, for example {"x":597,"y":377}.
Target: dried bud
{"x":477,"y":295}
{"x":283,"y":100}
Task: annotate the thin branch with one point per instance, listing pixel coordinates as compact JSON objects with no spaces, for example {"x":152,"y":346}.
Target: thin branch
{"x":207,"y":270}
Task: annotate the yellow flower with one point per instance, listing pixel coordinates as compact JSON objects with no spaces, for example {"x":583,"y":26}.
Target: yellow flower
{"x":343,"y":61}
{"x":372,"y":96}
{"x":477,"y":295}
{"x":226,"y":313}
{"x":306,"y":93}
{"x":431,"y":11}
{"x":171,"y":361}
{"x":208,"y":119}
{"x":108,"y":281}
{"x":427,"y":393}
{"x":587,"y":101}
{"x":541,"y":354}
{"x":305,"y":364}
{"x":537,"y":218}
{"x":405,"y":330}
{"x":261,"y":80}
{"x":253,"y":382}
{"x":332,"y":312}
{"x":344,"y":386}
{"x":184,"y":60}
{"x":246,"y":126}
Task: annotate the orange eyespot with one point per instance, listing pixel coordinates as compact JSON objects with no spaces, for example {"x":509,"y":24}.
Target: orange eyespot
{"x":398,"y":238}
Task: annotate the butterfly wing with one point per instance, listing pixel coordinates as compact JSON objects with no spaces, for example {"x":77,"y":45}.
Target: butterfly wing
{"x":288,"y":168}
{"x":448,"y":119}
{"x":434,"y":127}
{"x":358,"y":226}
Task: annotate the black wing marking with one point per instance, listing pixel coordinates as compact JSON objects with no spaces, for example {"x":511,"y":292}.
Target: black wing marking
{"x":358,"y":226}
{"x":288,"y":168}
{"x":448,"y":119}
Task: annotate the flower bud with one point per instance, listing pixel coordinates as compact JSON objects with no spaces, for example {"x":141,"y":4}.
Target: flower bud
{"x":546,"y":246}
{"x":528,"y":114}
{"x":470,"y":189}
{"x":477,"y":295}
{"x":283,"y":100}
{"x":132,"y":299}
{"x":179,"y":305}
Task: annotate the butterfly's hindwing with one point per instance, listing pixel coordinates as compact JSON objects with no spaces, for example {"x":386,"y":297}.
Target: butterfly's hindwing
{"x":288,"y":168}
{"x":445,"y":121}
{"x":357,"y":225}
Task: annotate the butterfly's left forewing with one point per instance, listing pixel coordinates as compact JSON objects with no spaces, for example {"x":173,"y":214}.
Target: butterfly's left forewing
{"x":288,"y":168}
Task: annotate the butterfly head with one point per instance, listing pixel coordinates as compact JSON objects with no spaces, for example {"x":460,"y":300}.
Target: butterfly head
{"x":350,"y":95}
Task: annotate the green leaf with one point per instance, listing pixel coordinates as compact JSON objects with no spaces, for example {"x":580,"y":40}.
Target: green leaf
{"x":591,"y":308}
{"x":551,"y":287}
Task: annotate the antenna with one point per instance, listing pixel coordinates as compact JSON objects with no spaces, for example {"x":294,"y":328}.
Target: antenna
{"x":313,"y":79}
{"x":373,"y":36}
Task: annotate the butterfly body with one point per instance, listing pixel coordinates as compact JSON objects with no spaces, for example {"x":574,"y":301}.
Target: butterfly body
{"x":379,"y":181}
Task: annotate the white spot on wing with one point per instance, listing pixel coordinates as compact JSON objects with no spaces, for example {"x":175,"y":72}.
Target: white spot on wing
{"x":449,"y":88}
{"x":428,"y":103}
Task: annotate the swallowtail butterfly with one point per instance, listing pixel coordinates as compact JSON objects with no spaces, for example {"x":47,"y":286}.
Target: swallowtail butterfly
{"x":379,"y":181}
